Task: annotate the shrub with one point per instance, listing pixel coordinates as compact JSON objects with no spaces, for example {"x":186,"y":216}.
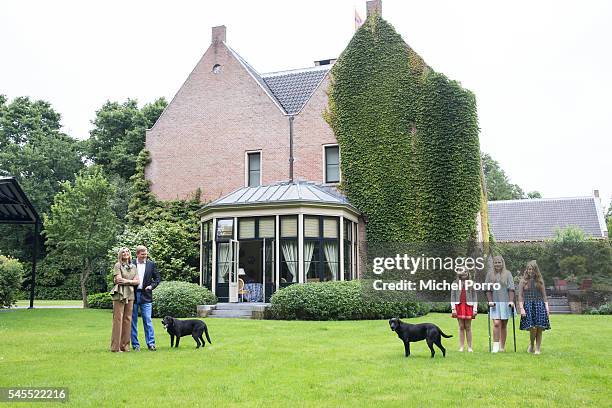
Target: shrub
{"x":11,"y":274}
{"x":180,"y":299}
{"x":70,"y":288}
{"x":338,"y":301}
{"x":173,"y":245}
{"x":100,"y":301}
{"x":605,"y":309}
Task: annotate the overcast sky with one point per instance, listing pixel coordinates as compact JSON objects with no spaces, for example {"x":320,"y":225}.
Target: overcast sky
{"x":541,"y":70}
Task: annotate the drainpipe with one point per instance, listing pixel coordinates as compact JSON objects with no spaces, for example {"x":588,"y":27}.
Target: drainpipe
{"x":291,"y":159}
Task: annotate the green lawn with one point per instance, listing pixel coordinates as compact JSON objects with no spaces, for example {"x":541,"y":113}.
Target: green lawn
{"x":26,"y":303}
{"x":277,"y":363}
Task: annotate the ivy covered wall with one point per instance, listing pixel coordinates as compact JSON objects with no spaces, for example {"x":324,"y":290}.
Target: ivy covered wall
{"x":408,"y":137}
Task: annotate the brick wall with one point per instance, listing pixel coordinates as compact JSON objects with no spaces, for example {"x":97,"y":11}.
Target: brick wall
{"x":201,"y":139}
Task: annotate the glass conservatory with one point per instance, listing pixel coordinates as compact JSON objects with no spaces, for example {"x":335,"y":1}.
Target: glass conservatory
{"x":256,"y":240}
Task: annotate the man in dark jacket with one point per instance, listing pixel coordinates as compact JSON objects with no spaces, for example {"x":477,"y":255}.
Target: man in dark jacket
{"x":149,"y":279}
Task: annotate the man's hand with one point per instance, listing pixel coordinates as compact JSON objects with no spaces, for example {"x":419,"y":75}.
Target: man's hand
{"x":120,"y":280}
{"x":149,"y":288}
{"x":491,"y":304}
{"x":523,"y":313}
{"x":511,"y":305}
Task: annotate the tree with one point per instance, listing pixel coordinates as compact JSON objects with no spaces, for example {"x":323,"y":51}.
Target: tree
{"x":534,"y":194}
{"x":82,"y":224}
{"x":498,"y":183}
{"x":609,"y":220}
{"x":119,"y":134}
{"x":39,"y":156}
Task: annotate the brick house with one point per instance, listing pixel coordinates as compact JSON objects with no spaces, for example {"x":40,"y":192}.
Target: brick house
{"x":268,"y":167}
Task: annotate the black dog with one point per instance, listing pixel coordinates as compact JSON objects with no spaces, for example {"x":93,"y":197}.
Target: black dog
{"x":180,"y":328}
{"x":416,"y":332}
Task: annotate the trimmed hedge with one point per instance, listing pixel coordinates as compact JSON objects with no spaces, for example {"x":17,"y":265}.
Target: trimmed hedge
{"x":180,"y":299}
{"x":100,"y":301}
{"x":338,"y":301}
{"x":11,"y":274}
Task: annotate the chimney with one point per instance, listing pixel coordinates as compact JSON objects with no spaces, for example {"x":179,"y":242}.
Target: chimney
{"x":218,"y":34}
{"x":596,"y":193}
{"x":374,"y":6}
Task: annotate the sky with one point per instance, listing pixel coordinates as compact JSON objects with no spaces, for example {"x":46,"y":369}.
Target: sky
{"x":541,"y":70}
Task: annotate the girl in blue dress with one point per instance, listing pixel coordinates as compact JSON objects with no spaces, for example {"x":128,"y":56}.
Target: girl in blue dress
{"x":501,"y":302}
{"x":533,"y":305}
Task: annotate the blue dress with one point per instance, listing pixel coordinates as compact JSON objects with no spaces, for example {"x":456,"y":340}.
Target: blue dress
{"x":535,"y":309}
{"x":501,"y":297}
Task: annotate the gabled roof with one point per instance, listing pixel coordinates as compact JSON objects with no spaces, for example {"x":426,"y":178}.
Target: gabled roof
{"x":282,"y":193}
{"x":539,"y":219}
{"x":290,"y":90}
{"x":15,"y":208}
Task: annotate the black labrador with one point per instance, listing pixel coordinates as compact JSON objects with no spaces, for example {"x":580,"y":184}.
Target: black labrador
{"x":416,"y":332}
{"x":180,"y":328}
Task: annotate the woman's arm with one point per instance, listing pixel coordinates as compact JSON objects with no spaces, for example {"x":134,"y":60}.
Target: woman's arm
{"x":117,"y":278}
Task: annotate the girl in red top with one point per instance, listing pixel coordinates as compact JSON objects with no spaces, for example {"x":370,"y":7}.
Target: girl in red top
{"x":464,"y":307}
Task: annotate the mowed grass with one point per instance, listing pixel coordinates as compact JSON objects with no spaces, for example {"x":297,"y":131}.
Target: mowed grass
{"x":288,"y":363}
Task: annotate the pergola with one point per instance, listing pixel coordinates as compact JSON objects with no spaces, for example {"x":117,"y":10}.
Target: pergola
{"x":16,"y":208}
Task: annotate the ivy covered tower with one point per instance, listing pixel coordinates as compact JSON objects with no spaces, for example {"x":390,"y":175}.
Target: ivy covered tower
{"x":409,"y":141}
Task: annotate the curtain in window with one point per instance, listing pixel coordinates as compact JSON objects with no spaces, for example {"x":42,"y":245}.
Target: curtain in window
{"x":290,"y":251}
{"x":225,"y":261}
{"x":331,"y":257}
{"x":308,"y":252}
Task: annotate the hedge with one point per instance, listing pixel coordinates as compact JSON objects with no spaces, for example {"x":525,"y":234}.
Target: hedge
{"x":100,"y":301}
{"x":11,"y":274}
{"x":338,"y":301}
{"x":180,"y":299}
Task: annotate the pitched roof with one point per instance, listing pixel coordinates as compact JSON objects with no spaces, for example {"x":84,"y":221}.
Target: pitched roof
{"x":539,"y":219}
{"x":290,"y":90}
{"x":294,"y":88}
{"x":15,"y":208}
{"x":282,"y":193}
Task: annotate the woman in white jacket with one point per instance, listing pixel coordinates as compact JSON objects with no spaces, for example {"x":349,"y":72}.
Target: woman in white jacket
{"x":464,"y":308}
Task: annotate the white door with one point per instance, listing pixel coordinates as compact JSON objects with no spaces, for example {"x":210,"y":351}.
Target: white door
{"x":233,"y":274}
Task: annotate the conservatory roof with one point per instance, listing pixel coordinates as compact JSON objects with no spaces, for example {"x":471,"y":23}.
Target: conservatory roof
{"x":15,"y":207}
{"x":282,"y":193}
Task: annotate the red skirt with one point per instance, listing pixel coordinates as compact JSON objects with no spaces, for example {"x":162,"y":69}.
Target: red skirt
{"x":464,"y":311}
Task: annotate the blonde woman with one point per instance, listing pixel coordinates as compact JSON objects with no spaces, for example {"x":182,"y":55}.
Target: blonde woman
{"x":533,"y":305}
{"x":501,"y":302}
{"x":125,"y":277}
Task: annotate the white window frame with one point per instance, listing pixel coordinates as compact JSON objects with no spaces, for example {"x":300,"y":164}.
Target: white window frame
{"x":324,"y":161}
{"x":246,"y":166}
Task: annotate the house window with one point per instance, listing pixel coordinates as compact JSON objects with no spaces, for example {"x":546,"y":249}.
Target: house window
{"x":321,"y":259}
{"x":254,"y":169}
{"x":288,"y":249}
{"x":332,"y":164}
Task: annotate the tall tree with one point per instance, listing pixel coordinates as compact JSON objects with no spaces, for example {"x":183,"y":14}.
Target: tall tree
{"x":498,"y":183}
{"x":119,"y":134}
{"x":34,"y":151}
{"x":82,"y":224}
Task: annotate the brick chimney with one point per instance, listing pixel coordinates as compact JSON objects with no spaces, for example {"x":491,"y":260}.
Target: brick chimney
{"x":374,"y":6}
{"x":596,"y":193}
{"x":218,"y":34}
